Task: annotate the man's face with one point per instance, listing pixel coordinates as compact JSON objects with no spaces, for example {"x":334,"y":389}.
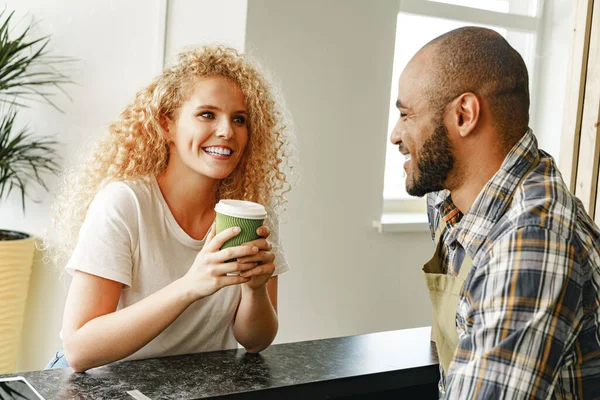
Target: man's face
{"x":421,"y":134}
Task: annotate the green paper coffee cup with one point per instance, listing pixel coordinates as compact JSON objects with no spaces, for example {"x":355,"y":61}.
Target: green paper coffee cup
{"x":247,"y":215}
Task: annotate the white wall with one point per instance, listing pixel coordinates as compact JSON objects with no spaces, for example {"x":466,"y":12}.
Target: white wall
{"x":115,"y":43}
{"x":334,"y":62}
{"x":558,"y":22}
{"x":202,"y":22}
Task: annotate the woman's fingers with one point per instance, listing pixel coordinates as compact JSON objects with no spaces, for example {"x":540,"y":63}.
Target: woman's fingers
{"x":259,"y":270}
{"x":232,"y":268}
{"x":262,"y":244}
{"x":233,"y":280}
{"x":263,"y":232}
{"x":219,"y":239}
{"x":233,"y":253}
{"x":263,"y":257}
{"x":236,"y":265}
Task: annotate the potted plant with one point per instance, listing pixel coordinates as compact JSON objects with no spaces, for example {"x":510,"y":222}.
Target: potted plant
{"x":27,"y":73}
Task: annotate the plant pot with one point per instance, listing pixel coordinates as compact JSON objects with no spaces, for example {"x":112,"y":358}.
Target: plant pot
{"x":16,"y":257}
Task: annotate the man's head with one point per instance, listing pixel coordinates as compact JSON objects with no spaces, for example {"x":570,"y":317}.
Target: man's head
{"x":464,"y":86}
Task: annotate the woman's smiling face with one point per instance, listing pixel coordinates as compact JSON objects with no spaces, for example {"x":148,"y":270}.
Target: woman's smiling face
{"x":210,"y":132}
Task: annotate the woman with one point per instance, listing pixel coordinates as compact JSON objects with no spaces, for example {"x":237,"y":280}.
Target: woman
{"x":148,"y":277}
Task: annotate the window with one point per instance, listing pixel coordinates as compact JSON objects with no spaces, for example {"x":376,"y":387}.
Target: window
{"x":420,"y":21}
{"x":522,"y":7}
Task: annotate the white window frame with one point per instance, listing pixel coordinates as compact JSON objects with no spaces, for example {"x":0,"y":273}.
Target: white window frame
{"x":408,"y":215}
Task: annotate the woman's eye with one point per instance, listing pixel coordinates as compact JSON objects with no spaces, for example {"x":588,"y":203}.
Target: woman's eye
{"x":207,"y":114}
{"x":402,"y":115}
{"x":240,"y":120}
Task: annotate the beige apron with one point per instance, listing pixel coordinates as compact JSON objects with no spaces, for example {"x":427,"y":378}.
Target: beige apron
{"x":444,"y":291}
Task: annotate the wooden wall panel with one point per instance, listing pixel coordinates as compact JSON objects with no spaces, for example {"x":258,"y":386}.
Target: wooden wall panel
{"x":575,"y":92}
{"x":589,"y":148}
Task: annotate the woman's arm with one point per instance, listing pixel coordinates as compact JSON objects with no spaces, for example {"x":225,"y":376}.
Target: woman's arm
{"x":256,"y":322}
{"x":94,"y":333}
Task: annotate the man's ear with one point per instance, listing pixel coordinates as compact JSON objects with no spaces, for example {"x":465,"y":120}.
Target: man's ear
{"x":465,"y":113}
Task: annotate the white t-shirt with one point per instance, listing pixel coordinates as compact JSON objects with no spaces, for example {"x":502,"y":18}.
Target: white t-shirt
{"x":130,"y":236}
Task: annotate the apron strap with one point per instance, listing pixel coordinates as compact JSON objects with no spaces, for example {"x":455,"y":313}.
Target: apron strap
{"x":465,"y":267}
{"x":440,"y":230}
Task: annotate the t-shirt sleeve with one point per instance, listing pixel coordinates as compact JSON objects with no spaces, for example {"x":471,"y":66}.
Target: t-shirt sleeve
{"x":108,"y":236}
{"x":281,"y":264}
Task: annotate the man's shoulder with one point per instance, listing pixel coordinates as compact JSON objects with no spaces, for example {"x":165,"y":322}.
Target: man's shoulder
{"x":544,"y":194}
{"x":543,"y":201}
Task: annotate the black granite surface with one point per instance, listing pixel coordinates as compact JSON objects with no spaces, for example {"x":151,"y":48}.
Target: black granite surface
{"x":357,"y":366}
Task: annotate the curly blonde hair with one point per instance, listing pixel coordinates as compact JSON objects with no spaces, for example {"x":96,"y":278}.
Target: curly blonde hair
{"x":135,"y":147}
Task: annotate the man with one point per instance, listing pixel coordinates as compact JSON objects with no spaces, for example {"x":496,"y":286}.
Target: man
{"x":515,"y":280}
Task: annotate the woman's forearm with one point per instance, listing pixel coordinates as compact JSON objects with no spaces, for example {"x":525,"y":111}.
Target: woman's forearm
{"x":117,"y":335}
{"x":256,"y":321}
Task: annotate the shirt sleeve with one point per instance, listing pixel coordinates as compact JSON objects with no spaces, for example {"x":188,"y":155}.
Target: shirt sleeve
{"x":108,"y":235}
{"x":522,"y":311}
{"x":281,"y":264}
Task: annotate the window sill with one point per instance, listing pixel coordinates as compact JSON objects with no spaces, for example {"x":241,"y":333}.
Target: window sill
{"x":401,"y":223}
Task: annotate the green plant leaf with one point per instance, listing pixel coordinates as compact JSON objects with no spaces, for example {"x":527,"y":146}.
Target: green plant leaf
{"x":24,"y":158}
{"x":28,"y":73}
{"x":27,"y":70}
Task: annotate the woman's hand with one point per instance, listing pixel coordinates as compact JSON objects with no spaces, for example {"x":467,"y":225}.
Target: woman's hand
{"x":209,"y":272}
{"x":262,"y":261}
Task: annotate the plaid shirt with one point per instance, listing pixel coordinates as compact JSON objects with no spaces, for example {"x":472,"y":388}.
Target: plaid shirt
{"x":528,"y":317}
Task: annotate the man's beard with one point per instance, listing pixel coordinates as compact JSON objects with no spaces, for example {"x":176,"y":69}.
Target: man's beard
{"x":434,"y":163}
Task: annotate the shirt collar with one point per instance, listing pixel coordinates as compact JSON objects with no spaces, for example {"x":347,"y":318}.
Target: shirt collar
{"x":473,"y":227}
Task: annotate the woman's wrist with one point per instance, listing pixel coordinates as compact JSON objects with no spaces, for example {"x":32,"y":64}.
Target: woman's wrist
{"x":247,"y":290}
{"x":189,"y":294}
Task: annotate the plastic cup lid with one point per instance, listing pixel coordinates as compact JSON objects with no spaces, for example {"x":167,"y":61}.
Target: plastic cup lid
{"x":241,"y":209}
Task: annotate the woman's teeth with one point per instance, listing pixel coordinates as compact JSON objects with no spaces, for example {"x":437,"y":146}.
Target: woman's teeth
{"x":218,"y":151}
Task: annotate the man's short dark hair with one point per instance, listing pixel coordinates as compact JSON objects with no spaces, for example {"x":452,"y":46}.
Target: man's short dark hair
{"x":479,"y":60}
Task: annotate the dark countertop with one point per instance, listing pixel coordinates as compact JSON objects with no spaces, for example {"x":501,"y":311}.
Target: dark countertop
{"x":353,"y":367}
